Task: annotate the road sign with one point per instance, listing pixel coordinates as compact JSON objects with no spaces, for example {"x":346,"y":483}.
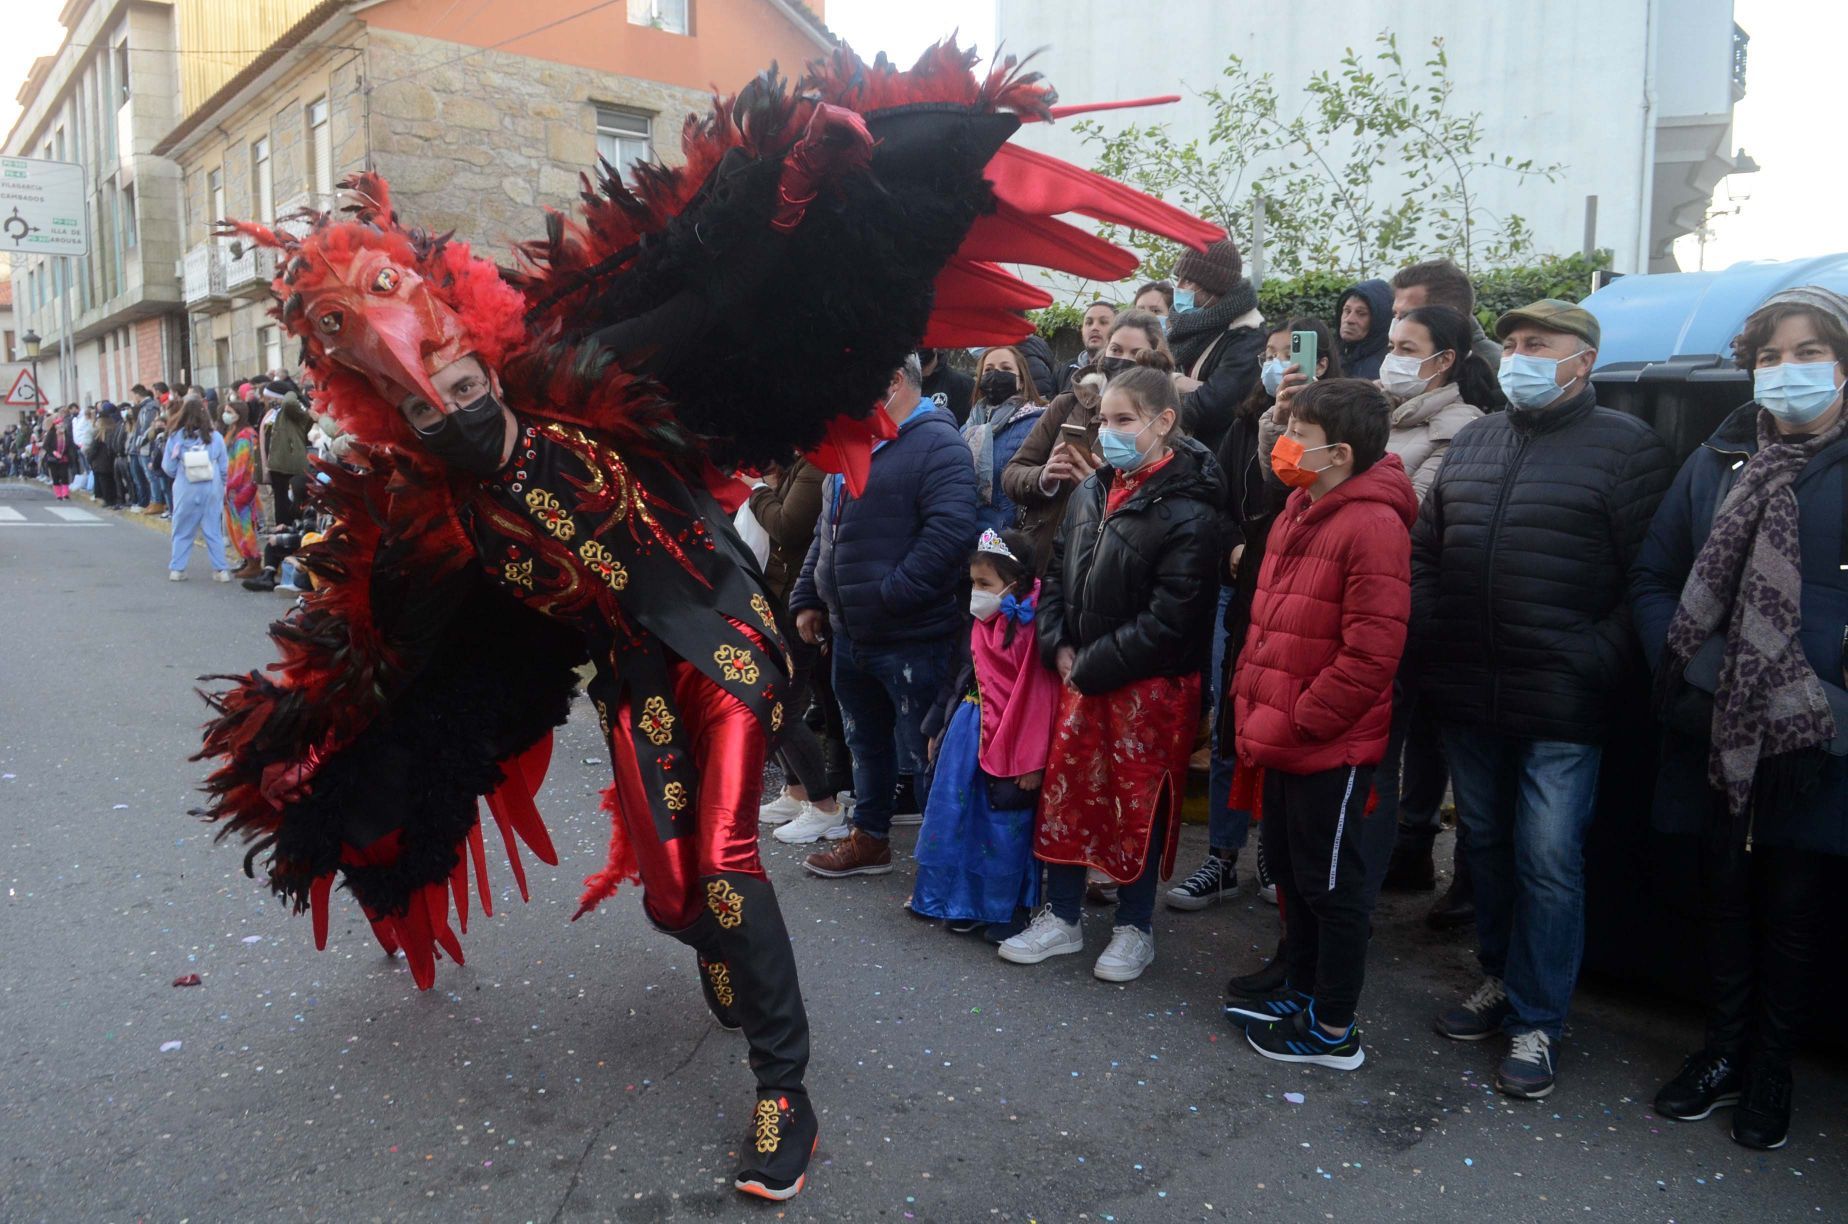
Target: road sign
{"x":42,"y":207}
{"x":25,"y":392}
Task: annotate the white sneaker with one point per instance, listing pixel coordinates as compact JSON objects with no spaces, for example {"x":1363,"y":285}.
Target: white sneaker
{"x":176,"y":575}
{"x":1044,"y":937}
{"x":845,"y":803}
{"x":1131,"y":951}
{"x":221,"y":575}
{"x":785,"y":807}
{"x":806,"y":827}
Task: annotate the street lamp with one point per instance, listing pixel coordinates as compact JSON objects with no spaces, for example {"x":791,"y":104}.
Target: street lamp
{"x":31,"y":340}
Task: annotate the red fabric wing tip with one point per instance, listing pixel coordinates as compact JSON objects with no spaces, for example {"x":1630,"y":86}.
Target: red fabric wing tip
{"x":383,"y":931}
{"x":436,"y":902}
{"x":1008,"y":235}
{"x":964,"y":283}
{"x":479,"y":853}
{"x":413,"y":931}
{"x":848,"y":447}
{"x":515,"y":805}
{"x":513,"y":851}
{"x":972,"y":328}
{"x":1090,"y":108}
{"x":318,"y":893}
{"x":1045,"y":186}
{"x":458,"y":888}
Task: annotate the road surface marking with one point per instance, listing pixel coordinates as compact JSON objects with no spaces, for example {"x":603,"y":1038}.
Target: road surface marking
{"x":10,"y":515}
{"x":72,"y":514}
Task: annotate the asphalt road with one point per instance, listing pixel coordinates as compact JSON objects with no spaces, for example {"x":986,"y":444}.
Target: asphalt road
{"x":569,"y":1072}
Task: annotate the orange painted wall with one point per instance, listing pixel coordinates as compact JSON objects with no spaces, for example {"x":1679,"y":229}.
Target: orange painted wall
{"x":732,"y":40}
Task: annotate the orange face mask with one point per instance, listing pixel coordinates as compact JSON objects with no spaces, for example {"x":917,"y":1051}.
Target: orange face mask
{"x":1286,"y":461}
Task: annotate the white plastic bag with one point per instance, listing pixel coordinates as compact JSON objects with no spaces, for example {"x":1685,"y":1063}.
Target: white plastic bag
{"x":753,"y":534}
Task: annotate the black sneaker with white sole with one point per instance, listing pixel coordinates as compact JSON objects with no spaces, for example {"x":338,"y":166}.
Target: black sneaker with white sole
{"x":1761,"y":1120}
{"x":1298,"y":1039}
{"x":1215,"y":880}
{"x":1480,"y":1016}
{"x":1708,"y":1080}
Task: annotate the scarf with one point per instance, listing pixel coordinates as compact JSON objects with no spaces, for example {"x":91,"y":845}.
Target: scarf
{"x":985,"y":422}
{"x":1770,"y":713}
{"x":1191,"y":334}
{"x":1019,"y":694}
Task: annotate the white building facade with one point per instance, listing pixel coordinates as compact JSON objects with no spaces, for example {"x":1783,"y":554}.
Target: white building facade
{"x":1633,"y":97}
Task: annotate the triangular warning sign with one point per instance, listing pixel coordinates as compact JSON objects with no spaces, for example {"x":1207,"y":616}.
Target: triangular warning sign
{"x":25,"y":392}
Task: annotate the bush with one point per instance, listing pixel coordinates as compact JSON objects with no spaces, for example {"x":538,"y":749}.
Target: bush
{"x":1313,"y":294}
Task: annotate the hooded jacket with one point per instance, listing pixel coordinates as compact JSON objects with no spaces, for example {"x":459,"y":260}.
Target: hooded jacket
{"x":1362,"y":358}
{"x":1684,"y":801}
{"x":1313,"y":690}
{"x":1521,"y":559}
{"x":887,"y":566}
{"x":1133,"y":591}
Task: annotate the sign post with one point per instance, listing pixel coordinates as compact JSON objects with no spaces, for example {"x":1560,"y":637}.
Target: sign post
{"x":42,"y":212}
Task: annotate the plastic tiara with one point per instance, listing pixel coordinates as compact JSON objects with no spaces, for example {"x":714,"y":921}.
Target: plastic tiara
{"x":991,"y":542}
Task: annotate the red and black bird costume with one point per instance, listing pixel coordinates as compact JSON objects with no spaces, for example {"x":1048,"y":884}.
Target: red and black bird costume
{"x":749,"y":304}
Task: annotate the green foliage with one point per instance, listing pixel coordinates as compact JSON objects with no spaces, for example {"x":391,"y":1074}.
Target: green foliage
{"x":1313,"y":294}
{"x":1315,"y":170}
{"x":1056,"y":318}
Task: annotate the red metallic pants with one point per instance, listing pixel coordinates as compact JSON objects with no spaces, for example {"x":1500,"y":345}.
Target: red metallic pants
{"x":728,"y":747}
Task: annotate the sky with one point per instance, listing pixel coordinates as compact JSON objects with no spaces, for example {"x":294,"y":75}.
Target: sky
{"x":1786,"y":120}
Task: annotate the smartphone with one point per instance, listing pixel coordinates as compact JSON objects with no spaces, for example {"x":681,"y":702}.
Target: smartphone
{"x":1077,"y":435}
{"x":1303,"y":353}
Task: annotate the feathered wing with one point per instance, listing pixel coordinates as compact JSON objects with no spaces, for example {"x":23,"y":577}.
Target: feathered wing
{"x":816,"y":234}
{"x":408,"y":688}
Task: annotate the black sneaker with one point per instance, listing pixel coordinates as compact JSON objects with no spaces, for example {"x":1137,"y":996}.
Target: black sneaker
{"x":1270,"y":978}
{"x":1213,"y":881}
{"x":266,"y":581}
{"x":1708,"y":1080}
{"x":1410,"y":868}
{"x":1478,"y":1017}
{"x":1280,"y":1004}
{"x":1529,"y":1070}
{"x":1267,"y":887}
{"x":1762,"y":1118}
{"x":1299,"y":1040}
{"x":783,"y":1136}
{"x":906,"y":810}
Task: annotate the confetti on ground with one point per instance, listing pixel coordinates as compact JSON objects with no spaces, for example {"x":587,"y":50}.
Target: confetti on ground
{"x":190,"y":979}
{"x":121,"y":807}
{"x":1294,"y":1098}
{"x":253,"y":939}
{"x":167,"y":1047}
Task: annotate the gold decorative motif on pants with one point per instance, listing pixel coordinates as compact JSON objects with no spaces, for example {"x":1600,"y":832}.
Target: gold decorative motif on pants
{"x":725,"y":902}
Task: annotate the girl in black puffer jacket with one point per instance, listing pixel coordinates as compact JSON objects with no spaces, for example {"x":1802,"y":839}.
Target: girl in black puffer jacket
{"x":1125,"y":618}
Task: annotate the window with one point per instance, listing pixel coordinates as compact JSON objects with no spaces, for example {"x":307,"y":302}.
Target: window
{"x":623,"y":138}
{"x":669,"y":16}
{"x":263,"y":185}
{"x":121,"y":71}
{"x":269,"y":348}
{"x":320,"y":164}
{"x":131,"y":234}
{"x":215,"y":192}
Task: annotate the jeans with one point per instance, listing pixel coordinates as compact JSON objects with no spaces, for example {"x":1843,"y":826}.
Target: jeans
{"x":144,"y":488}
{"x":160,"y":486}
{"x":1324,"y":851}
{"x":884,"y":693}
{"x":1135,"y":902}
{"x":1226,"y":829}
{"x":1527,"y":805}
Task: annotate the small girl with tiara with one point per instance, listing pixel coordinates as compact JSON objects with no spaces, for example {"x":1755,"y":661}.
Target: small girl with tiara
{"x":975,"y":850}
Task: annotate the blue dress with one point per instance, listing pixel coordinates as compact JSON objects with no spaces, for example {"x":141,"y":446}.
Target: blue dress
{"x":974,"y":862}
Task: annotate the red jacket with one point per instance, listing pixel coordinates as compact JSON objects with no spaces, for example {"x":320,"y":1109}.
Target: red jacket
{"x":1314,"y":684}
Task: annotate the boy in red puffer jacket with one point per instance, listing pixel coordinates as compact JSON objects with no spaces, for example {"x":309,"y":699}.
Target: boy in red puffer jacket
{"x":1313,"y":704}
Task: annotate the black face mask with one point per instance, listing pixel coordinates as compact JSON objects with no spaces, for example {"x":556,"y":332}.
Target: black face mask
{"x":1113,"y":366}
{"x":999,"y":386}
{"x":473,"y":437}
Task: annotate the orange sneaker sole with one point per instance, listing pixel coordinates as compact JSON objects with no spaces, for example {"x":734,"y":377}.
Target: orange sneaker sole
{"x":763,"y":1192}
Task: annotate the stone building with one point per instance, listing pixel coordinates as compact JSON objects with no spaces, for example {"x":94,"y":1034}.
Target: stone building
{"x":479,"y":123}
{"x":102,"y":100}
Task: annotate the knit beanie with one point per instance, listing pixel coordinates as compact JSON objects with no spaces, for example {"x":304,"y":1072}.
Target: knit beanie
{"x":1815,"y":296}
{"x":1215,"y":269}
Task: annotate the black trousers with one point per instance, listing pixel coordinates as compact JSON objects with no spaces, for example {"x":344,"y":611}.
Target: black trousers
{"x":1323,"y":849}
{"x":281,"y":486}
{"x":802,"y":754}
{"x":1763,"y":913}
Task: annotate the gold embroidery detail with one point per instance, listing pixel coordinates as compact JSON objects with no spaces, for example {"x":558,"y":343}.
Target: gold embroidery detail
{"x":520,"y":573}
{"x":603,"y":716}
{"x":761,"y":606}
{"x":738,"y":665}
{"x":776,"y":717}
{"x":657,"y":724}
{"x":604,"y":564}
{"x":720,"y":976}
{"x":767,"y":1125}
{"x":676,"y":795}
{"x":550,"y":514}
{"x":725,"y":902}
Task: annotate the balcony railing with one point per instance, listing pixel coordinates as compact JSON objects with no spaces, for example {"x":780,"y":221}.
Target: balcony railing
{"x":250,"y":271}
{"x":203,"y":275}
{"x":1741,"y":40}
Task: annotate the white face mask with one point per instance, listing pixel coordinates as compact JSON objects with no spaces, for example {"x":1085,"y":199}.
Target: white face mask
{"x":1400,"y":375}
{"x":227,"y":416}
{"x":984,"y":605}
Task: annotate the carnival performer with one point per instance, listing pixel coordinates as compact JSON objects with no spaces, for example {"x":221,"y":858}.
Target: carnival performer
{"x":532,"y":482}
{"x":241,"y":508}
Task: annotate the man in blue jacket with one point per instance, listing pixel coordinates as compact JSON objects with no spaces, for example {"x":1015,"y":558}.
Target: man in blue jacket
{"x":880,"y":584}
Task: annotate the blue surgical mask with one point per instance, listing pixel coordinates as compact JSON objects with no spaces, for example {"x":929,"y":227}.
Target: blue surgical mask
{"x":1183,"y":300}
{"x":1272,"y":373}
{"x":1120,"y":450}
{"x":1796,"y":392}
{"x":1531,"y":382}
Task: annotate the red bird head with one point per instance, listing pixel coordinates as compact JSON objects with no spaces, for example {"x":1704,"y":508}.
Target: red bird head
{"x":380,"y":308}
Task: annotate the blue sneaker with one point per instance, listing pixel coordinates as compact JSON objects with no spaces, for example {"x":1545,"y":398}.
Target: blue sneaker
{"x":1266,"y":1008}
{"x":1528,"y":1071}
{"x":1299,"y":1039}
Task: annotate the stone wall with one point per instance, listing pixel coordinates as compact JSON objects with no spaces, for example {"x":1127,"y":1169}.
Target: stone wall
{"x":480,"y":141}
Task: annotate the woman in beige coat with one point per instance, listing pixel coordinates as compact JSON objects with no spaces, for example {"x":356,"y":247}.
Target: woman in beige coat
{"x":1440,"y":386}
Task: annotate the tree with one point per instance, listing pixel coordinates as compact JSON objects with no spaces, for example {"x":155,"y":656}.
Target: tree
{"x":1327,"y":206}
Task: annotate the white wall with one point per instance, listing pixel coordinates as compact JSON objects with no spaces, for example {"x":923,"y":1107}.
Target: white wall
{"x":1561,"y":82}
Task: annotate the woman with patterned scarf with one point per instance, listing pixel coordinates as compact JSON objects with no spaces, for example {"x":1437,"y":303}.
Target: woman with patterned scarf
{"x":1741,"y":598}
